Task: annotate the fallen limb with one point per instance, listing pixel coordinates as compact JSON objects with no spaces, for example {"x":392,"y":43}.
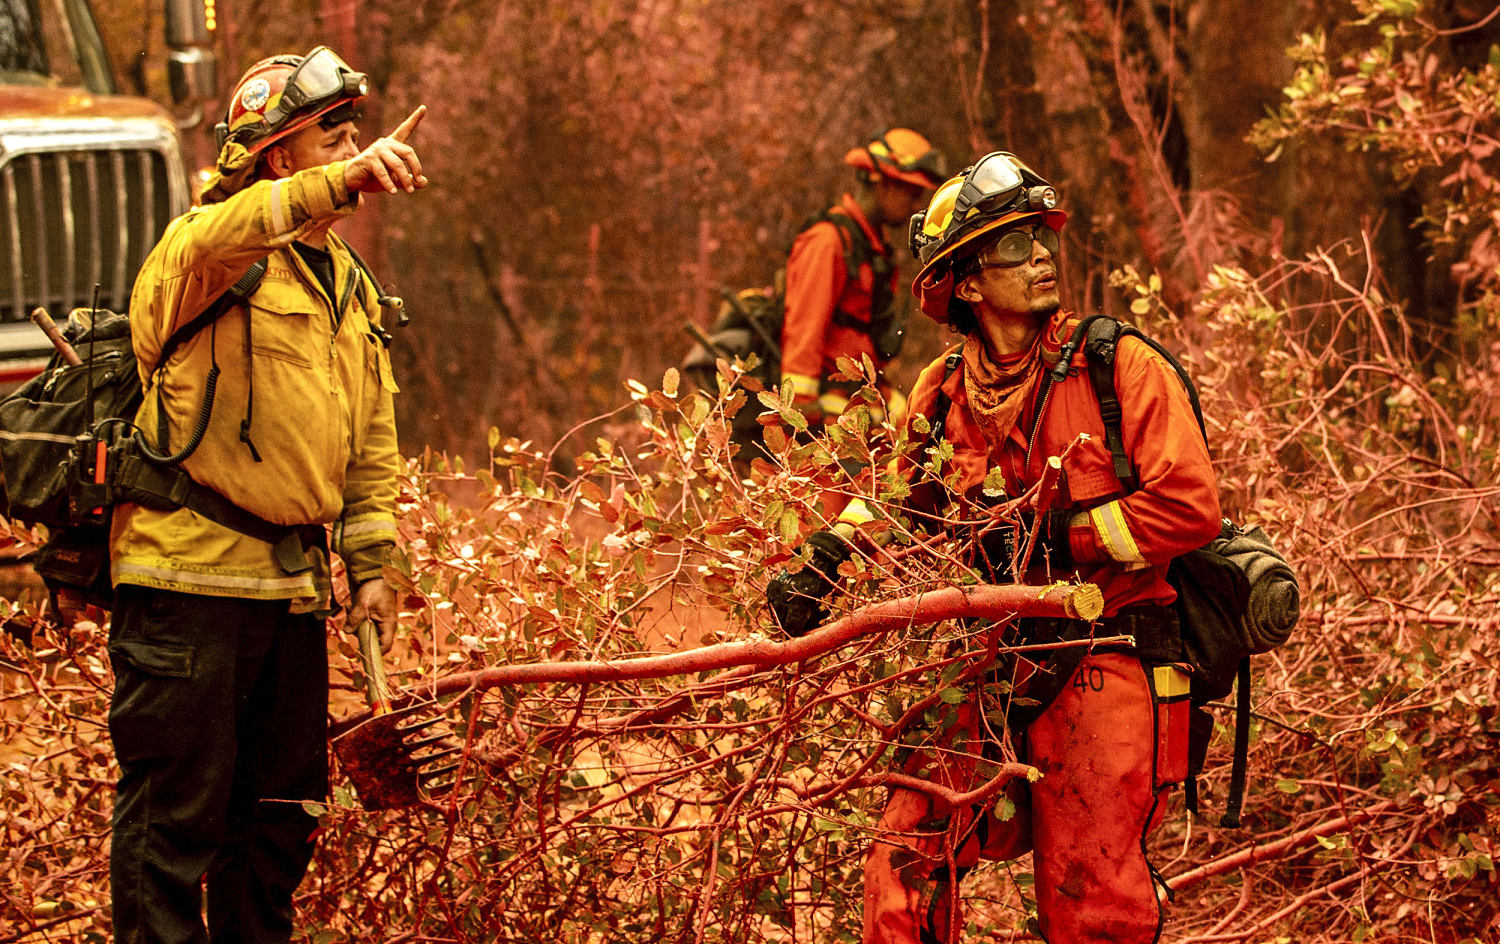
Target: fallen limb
{"x":1273,"y":850}
{"x":1073,"y":601}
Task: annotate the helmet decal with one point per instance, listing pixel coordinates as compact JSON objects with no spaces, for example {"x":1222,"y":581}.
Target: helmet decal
{"x":283,"y":94}
{"x":253,"y":96}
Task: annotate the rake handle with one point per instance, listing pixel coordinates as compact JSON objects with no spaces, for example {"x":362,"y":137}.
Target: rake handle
{"x":377,"y":688}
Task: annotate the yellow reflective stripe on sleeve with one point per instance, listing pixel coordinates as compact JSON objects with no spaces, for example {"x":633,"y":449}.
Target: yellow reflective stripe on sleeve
{"x":385,"y":527}
{"x":802,"y":385}
{"x":1171,"y":682}
{"x":856,"y":513}
{"x":1114,"y":533}
{"x":279,"y":218}
{"x":833,"y":404}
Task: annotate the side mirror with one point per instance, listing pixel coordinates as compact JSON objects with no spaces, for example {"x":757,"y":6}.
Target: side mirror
{"x":192,"y":75}
{"x":192,"y":67}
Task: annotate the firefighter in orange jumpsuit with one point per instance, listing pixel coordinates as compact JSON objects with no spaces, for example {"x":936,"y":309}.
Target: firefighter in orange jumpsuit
{"x":1107,"y":724}
{"x":840,"y":277}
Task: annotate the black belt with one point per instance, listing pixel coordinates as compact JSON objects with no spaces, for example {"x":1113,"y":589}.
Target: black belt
{"x":168,"y":488}
{"x":1154,"y":630}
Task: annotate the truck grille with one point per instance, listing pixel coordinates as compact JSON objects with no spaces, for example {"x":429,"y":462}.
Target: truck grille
{"x":71,"y":219}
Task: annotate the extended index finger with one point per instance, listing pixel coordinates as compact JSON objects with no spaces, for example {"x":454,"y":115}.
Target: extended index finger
{"x":405,"y":128}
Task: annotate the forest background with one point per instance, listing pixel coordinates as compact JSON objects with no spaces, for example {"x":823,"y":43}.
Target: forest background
{"x":1300,"y":197}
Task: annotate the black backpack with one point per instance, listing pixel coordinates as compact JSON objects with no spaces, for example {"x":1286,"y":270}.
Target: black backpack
{"x":69,"y":449}
{"x":750,"y":322}
{"x":1236,"y":595}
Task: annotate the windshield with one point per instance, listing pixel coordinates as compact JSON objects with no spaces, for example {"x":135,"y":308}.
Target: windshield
{"x":52,"y":42}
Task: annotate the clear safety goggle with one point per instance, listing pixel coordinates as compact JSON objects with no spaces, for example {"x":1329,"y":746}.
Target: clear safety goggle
{"x":1014,"y":247}
{"x":321,"y":78}
{"x":999,"y":182}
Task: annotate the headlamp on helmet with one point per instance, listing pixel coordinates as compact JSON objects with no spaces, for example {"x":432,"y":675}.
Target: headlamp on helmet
{"x":997,"y":186}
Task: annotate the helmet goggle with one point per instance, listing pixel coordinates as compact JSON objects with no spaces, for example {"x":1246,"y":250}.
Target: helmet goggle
{"x":1014,"y":247}
{"x":1000,"y":183}
{"x":996,"y":184}
{"x":929,"y":162}
{"x":321,"y":78}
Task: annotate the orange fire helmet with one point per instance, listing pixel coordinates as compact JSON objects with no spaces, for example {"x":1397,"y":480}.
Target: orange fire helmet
{"x":284,"y":94}
{"x":901,"y":154}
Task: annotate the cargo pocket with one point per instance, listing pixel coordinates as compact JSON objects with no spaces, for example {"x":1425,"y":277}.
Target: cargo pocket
{"x":283,"y":323}
{"x":167,"y":660}
{"x":153,"y":682}
{"x":1170,"y":690}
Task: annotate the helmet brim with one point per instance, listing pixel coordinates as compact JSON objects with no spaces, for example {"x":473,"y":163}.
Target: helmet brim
{"x":1050,"y":218}
{"x":860,"y":159}
{"x":297,"y":124}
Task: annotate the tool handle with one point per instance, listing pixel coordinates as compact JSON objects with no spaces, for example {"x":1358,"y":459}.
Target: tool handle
{"x":49,"y":328}
{"x":377,"y":689}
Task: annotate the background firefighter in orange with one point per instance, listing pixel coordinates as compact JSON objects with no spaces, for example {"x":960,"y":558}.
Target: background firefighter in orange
{"x":1106,"y":725}
{"x":840,"y":277}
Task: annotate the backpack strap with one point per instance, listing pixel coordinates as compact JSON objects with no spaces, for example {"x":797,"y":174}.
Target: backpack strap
{"x":939,"y":420}
{"x":1241,"y":757}
{"x":166,"y":488}
{"x":236,"y":294}
{"x":1099,"y":335}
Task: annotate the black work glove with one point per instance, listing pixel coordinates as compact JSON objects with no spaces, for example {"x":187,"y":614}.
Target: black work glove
{"x":998,"y":546}
{"x":797,"y":598}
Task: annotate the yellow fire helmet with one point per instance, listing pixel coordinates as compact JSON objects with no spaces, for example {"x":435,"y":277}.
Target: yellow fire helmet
{"x":997,"y":191}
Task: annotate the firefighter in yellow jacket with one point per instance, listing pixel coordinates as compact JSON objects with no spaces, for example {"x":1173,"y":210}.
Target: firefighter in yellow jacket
{"x":219,"y":718}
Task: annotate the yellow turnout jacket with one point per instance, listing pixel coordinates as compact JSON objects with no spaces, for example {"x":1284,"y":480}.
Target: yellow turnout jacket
{"x":321,"y":420}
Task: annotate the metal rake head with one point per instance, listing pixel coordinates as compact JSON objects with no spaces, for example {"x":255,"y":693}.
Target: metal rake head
{"x":396,"y":760}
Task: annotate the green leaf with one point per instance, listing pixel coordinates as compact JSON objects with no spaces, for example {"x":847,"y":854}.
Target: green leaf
{"x":790,"y":525}
{"x":994,"y":483}
{"x":793,"y":418}
{"x":1289,"y":786}
{"x":952,"y":695}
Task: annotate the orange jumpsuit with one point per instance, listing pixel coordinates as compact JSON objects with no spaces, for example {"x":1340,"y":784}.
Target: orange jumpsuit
{"x":1114,"y":740}
{"x":827,"y":312}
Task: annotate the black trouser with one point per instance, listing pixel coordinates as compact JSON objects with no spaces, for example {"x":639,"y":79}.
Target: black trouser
{"x":220,"y":726}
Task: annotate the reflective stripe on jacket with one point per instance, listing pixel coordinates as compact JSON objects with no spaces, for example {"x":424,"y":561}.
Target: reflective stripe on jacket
{"x":1124,"y":542}
{"x":322,"y":422}
{"x":817,"y":285}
